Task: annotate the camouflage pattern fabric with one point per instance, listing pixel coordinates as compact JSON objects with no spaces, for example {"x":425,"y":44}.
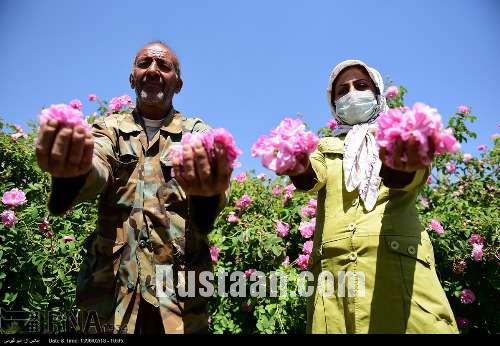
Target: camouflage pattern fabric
{"x":145,"y":219}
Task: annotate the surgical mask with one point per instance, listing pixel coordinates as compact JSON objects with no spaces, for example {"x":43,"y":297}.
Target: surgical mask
{"x":356,"y":107}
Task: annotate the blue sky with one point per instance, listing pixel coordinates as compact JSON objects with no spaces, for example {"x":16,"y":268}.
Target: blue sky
{"x":248,"y":64}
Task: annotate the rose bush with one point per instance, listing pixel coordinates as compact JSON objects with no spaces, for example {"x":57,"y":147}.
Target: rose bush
{"x":266,"y":226}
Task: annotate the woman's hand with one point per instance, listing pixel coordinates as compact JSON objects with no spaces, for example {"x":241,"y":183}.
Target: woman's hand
{"x":406,"y":156}
{"x":300,"y":168}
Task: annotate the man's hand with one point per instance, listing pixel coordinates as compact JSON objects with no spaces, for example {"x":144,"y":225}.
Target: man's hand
{"x":64,"y":152}
{"x":198,"y":176}
{"x":409,"y":149}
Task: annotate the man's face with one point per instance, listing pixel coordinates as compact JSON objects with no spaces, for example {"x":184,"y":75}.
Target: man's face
{"x":154,"y":76}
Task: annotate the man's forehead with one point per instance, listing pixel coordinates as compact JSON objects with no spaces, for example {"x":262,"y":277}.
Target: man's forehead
{"x":155,"y":51}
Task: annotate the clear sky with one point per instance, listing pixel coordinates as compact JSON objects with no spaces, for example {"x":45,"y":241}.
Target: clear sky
{"x":248,"y":64}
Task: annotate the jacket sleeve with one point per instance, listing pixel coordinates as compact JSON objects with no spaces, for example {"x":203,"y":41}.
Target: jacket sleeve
{"x":67,"y":192}
{"x":418,"y":180}
{"x":204,"y":210}
{"x":318,"y":165}
{"x":404,"y":181}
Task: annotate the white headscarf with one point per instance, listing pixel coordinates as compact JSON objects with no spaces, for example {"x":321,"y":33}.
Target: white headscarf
{"x":361,"y":163}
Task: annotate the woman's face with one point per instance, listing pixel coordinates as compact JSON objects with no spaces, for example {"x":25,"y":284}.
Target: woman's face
{"x":352,"y":78}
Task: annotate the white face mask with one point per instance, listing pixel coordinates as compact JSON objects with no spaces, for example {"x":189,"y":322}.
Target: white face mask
{"x":356,"y":107}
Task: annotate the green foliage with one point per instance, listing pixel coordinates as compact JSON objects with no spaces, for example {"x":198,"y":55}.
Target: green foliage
{"x":253,"y":243}
{"x":37,"y":271}
{"x":397,"y":101}
{"x":466,"y":202}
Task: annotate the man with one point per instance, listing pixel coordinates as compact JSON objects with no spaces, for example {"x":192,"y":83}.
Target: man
{"x":146,"y":218}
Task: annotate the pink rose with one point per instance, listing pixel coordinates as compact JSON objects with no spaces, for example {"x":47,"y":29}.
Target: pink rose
{"x":214,"y":253}
{"x":391,"y":92}
{"x":286,"y":144}
{"x":243,"y":202}
{"x":14,"y":197}
{"x":282,"y":229}
{"x":232,"y":217}
{"x":277,"y":190}
{"x":307,"y":228}
{"x":310,"y":209}
{"x":303,"y":261}
{"x":241,"y":178}
{"x":76,"y":104}
{"x":467,"y":157}
{"x":429,"y":180}
{"x":475,"y":239}
{"x":436,"y":226}
{"x":117,"y":103}
{"x":220,"y":137}
{"x":92,"y":97}
{"x":477,"y":252}
{"x":463,"y":109}
{"x":8,"y":218}
{"x":450,"y":167}
{"x":332,"y":124}
{"x":424,"y":202}
{"x":65,"y":115}
{"x":467,"y":296}
{"x":289,"y":192}
{"x":307,"y":248}
{"x":421,"y":124}
{"x":249,"y":272}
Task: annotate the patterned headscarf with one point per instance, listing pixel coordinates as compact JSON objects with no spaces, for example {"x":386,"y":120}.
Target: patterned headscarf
{"x":361,"y":163}
{"x":376,"y":78}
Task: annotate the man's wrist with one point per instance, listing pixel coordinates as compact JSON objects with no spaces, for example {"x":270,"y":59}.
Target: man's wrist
{"x":64,"y":192}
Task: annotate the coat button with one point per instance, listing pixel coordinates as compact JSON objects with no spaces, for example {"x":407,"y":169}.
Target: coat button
{"x":142,"y":243}
{"x":411,"y":250}
{"x":353,"y":256}
{"x":130,"y":285}
{"x":394,"y":245}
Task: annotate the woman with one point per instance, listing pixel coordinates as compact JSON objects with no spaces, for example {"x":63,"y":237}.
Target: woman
{"x":367,"y":231}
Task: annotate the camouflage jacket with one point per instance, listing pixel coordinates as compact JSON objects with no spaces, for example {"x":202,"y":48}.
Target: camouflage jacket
{"x":145,"y":219}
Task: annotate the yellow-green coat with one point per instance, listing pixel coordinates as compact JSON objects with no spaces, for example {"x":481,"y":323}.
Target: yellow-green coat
{"x":402,"y":293}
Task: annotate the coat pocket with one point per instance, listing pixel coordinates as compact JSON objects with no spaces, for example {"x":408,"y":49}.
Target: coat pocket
{"x":124,"y":180}
{"x":429,"y":306}
{"x":123,"y":167}
{"x":101,"y":263}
